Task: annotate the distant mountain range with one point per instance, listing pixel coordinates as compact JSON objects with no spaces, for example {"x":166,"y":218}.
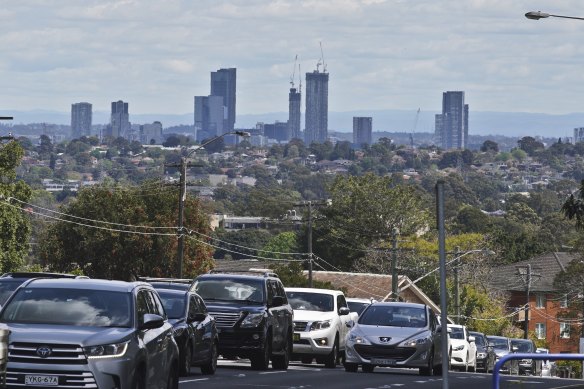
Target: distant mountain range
{"x":480,"y":123}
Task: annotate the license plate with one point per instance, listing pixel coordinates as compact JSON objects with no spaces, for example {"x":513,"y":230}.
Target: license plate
{"x":44,"y":380}
{"x":296,"y":337}
{"x":382,"y":362}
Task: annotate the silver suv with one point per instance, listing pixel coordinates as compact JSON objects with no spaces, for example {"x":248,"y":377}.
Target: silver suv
{"x":86,"y":333}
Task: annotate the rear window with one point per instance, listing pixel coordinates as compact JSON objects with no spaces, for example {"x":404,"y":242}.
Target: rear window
{"x":72,"y":307}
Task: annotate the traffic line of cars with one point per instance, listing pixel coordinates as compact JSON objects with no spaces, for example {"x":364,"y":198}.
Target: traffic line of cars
{"x":74,"y":331}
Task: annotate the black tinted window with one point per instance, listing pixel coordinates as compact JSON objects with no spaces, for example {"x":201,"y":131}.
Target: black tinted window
{"x":219,"y":289}
{"x":306,"y":301}
{"x":174,"y":304}
{"x":78,"y":307}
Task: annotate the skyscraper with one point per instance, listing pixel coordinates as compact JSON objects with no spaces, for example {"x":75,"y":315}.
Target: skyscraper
{"x":81,"y":114}
{"x":451,"y":127}
{"x":294,"y":101}
{"x":223,"y":83}
{"x":362,"y":130}
{"x":316,"y":128}
{"x":210,"y":114}
{"x":120,"y":120}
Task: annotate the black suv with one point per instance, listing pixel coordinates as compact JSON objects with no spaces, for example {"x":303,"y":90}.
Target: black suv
{"x":252,"y":314}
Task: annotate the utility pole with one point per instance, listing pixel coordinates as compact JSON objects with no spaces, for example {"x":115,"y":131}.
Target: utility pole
{"x":527,"y":289}
{"x":457,"y":286}
{"x":181,"y":214}
{"x":310,"y":244}
{"x":394,"y":276}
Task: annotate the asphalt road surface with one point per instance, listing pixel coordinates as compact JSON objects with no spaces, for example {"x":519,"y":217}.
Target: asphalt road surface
{"x":238,"y":374}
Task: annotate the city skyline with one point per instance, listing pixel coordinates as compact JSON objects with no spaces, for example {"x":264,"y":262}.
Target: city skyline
{"x":383,"y":54}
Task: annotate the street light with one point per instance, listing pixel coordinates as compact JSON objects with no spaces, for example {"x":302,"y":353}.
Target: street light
{"x":536,"y":15}
{"x":183,"y":194}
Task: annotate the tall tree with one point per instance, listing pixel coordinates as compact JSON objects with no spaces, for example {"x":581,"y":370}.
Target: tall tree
{"x":116,"y":233}
{"x":14,"y":224}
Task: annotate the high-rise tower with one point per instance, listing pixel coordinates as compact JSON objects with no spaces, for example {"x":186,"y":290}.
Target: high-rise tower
{"x":316,"y":128}
{"x":452,"y":125}
{"x":120,"y":120}
{"x":294,"y":101}
{"x":362,"y":130}
{"x":223,"y":83}
{"x":81,"y":114}
{"x":209,"y":117}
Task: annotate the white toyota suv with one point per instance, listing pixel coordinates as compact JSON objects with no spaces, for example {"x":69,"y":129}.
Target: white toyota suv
{"x":464,"y":349}
{"x":320,"y":324}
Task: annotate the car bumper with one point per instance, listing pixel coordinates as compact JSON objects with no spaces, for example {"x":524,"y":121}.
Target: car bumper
{"x":318,"y":342}
{"x":458,"y":357}
{"x":240,"y":341}
{"x":387,"y":355}
{"x":104,"y":373}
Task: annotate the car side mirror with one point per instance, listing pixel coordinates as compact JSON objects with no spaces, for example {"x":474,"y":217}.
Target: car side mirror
{"x":350,"y":324}
{"x":277,"y":301}
{"x":152,"y":321}
{"x":514,"y":348}
{"x":471,"y":339}
{"x":199,"y":316}
{"x":344,"y":311}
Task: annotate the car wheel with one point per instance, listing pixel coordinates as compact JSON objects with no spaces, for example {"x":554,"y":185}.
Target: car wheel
{"x":210,"y":367}
{"x":351,"y":367}
{"x":331,"y":360}
{"x":427,"y":370}
{"x":185,"y":361}
{"x":261,"y":361}
{"x":139,"y":380}
{"x":281,"y":362}
{"x":367,"y":368}
{"x":306,"y":360}
{"x":172,"y":382}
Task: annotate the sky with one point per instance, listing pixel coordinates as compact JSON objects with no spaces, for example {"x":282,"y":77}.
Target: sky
{"x":380,"y":54}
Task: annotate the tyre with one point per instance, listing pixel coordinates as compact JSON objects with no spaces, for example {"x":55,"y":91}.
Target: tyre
{"x":367,"y":368}
{"x":437,"y":370}
{"x":306,"y":360}
{"x":139,"y":380}
{"x":261,"y":360}
{"x":185,"y":361}
{"x":429,"y":368}
{"x":210,"y":367}
{"x":172,"y":381}
{"x":351,"y":367}
{"x":281,"y":362}
{"x":332,"y":359}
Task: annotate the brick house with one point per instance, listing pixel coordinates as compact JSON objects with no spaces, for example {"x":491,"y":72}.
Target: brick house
{"x":546,"y":305}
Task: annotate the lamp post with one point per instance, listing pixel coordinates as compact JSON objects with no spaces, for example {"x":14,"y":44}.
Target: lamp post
{"x":183,"y":194}
{"x":536,"y":15}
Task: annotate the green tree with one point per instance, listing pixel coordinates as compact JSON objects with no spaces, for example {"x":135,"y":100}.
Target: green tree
{"x":117,"y":233}
{"x":573,"y":207}
{"x":490,"y":145}
{"x":15,"y":226}
{"x":530,"y":145}
{"x":284,"y":242}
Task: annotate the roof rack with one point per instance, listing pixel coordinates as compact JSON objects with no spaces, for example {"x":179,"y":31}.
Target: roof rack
{"x":263,"y":272}
{"x":169,"y":280}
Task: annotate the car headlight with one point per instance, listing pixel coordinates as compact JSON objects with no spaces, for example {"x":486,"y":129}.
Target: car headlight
{"x":358,"y":339}
{"x":458,"y":348}
{"x":114,"y":350}
{"x":252,"y":320}
{"x":415,"y":342}
{"x":481,"y":355}
{"x":320,"y":325}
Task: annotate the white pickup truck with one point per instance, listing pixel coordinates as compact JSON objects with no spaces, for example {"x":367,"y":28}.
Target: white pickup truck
{"x":320,"y":324}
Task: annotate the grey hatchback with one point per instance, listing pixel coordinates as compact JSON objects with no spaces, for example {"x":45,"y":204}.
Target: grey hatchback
{"x":88,"y":334}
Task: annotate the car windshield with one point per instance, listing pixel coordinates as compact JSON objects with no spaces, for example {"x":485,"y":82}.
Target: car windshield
{"x":522,"y":346}
{"x":456,"y":333}
{"x":73,"y":307}
{"x":479,"y":340}
{"x":174,"y":304}
{"x":499,"y":343}
{"x":308,"y":301}
{"x":7,"y":287}
{"x":390,"y":316}
{"x":357,"y":306}
{"x":224,"y":289}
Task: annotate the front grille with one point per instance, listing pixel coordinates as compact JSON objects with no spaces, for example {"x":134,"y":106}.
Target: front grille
{"x":302,"y":341}
{"x":387,"y":352}
{"x":62,"y":354}
{"x":225,"y":319}
{"x":300,"y":326}
{"x":67,"y":379}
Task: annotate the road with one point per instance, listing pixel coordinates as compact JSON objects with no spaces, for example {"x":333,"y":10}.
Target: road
{"x":238,"y":374}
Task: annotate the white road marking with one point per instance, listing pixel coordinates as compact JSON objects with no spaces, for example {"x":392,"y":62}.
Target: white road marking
{"x":194,"y":380}
{"x":273,"y":372}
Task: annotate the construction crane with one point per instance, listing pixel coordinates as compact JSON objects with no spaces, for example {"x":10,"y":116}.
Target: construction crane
{"x":299,"y":79}
{"x":294,"y":72}
{"x":414,"y":128}
{"x":321,"y":59}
